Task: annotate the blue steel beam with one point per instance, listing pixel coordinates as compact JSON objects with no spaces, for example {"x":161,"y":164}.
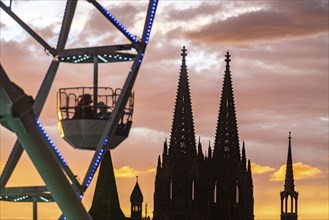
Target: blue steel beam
{"x":61,"y":160}
{"x":153,"y":4}
{"x":110,"y":128}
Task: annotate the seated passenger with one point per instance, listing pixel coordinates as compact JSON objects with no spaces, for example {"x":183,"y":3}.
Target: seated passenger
{"x":103,"y":113}
{"x":84,"y":110}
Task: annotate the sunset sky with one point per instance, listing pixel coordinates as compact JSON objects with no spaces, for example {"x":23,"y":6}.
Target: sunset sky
{"x":280,"y":78}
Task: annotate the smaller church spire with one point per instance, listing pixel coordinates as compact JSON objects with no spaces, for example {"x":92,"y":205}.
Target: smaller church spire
{"x":200,"y":153}
{"x":209,"y":151}
{"x":243,"y":160}
{"x":136,"y":200}
{"x":136,"y":195}
{"x":289,"y":181}
{"x":165,"y":148}
{"x":159,"y":163}
{"x":289,"y":197}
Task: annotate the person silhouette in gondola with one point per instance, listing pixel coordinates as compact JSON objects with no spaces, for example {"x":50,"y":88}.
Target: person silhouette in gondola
{"x":103,"y":113}
{"x":84,"y":110}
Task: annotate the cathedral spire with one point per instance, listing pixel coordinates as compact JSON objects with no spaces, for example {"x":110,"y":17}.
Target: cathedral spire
{"x":289,"y":197}
{"x":243,"y":160}
{"x":106,"y":199}
{"x":227,"y":138}
{"x":165,"y":148}
{"x":182,"y":139}
{"x":289,"y":181}
{"x":200,"y":153}
{"x":209,"y":150}
{"x":159,"y":163}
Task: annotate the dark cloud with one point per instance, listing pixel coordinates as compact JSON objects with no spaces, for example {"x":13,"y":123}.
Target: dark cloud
{"x":193,"y":12}
{"x":279,"y":21}
{"x":100,"y":29}
{"x":25,"y":61}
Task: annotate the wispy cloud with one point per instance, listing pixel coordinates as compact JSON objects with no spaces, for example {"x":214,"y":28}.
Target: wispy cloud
{"x":301,"y":171}
{"x":259,"y":169}
{"x":276,"y":22}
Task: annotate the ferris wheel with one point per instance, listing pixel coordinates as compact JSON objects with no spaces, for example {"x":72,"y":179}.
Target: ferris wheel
{"x":106,"y":110}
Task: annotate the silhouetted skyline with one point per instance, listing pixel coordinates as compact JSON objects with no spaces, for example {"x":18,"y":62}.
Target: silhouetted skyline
{"x":280,"y":65}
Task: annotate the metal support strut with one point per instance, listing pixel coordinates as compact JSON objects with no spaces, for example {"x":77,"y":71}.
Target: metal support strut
{"x":20,"y":118}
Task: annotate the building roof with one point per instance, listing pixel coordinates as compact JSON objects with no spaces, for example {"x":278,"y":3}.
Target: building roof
{"x":106,"y":200}
{"x":136,"y":195}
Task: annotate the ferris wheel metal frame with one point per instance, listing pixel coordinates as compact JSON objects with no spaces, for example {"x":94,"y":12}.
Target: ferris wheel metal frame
{"x":20,"y":113}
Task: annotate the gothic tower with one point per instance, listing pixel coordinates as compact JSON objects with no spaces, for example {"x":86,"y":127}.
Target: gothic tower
{"x":182,"y":140}
{"x":226,"y":153}
{"x":233,"y":193}
{"x":289,"y":197}
{"x":136,"y":200}
{"x":177,"y":185}
{"x":190,"y":185}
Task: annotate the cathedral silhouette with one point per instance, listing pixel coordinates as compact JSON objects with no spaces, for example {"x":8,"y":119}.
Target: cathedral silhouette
{"x":188,"y":184}
{"x":192,"y":186}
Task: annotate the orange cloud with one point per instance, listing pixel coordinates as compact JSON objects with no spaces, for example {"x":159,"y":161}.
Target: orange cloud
{"x":128,"y":172}
{"x":151,"y":170}
{"x":301,"y":171}
{"x":259,"y":169}
{"x":125,"y":172}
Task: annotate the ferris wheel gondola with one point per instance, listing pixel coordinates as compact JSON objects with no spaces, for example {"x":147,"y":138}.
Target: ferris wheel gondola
{"x":82,"y":121}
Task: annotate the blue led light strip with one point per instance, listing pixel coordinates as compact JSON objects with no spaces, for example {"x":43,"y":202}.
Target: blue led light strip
{"x":149,"y":23}
{"x":51,"y":142}
{"x":117,"y":23}
{"x":97,"y":162}
{"x":140,"y":59}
